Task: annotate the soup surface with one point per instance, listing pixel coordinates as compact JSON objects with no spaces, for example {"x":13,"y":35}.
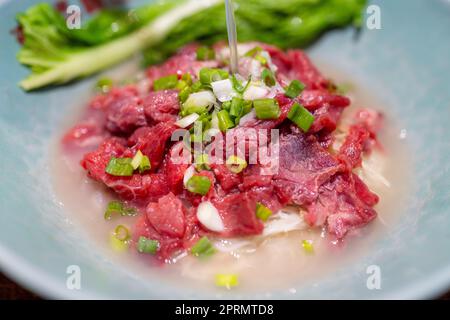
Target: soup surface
{"x":262,"y":263}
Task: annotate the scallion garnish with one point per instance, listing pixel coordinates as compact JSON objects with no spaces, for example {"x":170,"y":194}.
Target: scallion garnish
{"x":205,"y":120}
{"x":190,"y":108}
{"x":122,"y":233}
{"x":227,"y":280}
{"x":236,"y":164}
{"x":184,"y":82}
{"x":236,"y":107}
{"x":198,"y":184}
{"x":203,"y":248}
{"x":184,"y":94}
{"x":145,"y":164}
{"x":262,"y":212}
{"x":198,"y":102}
{"x":248,"y":105}
{"x":120,"y":167}
{"x":146,"y":245}
{"x":118,"y":208}
{"x":136,"y":161}
{"x":114,"y":207}
{"x":181,"y":84}
{"x":168,"y":82}
{"x":196,"y":138}
{"x":226,"y":105}
{"x":308,"y":246}
{"x":208,"y":75}
{"x":197,"y":86}
{"x":238,"y":86}
{"x":253,"y":52}
{"x":261,"y":59}
{"x":118,"y":245}
{"x":205,"y":53}
{"x":225,"y":121}
{"x":202,"y":162}
{"x":301,"y":117}
{"x":104,"y":85}
{"x":187,"y":77}
{"x":266,"y":109}
{"x":294,"y":89}
{"x":268,"y":77}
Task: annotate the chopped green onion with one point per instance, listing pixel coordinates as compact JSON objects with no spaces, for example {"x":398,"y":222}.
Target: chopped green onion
{"x":114,"y":207}
{"x":181,"y":84}
{"x":248,"y":105}
{"x":301,"y":117}
{"x":140,"y":162}
{"x":308,"y":246}
{"x":187,"y":109}
{"x":168,"y":82}
{"x":236,"y":164}
{"x":262,"y":212}
{"x":226,"y":105}
{"x":294,"y":89}
{"x":104,"y":85}
{"x":184,"y":94}
{"x":184,"y":82}
{"x":266,"y":108}
{"x":205,"y":120}
{"x":268,"y":77}
{"x":117,"y":207}
{"x":227,"y":280}
{"x":253,"y":52}
{"x":198,"y":184}
{"x":197,"y":86}
{"x":146,"y":245}
{"x":187,"y":78}
{"x":120,"y":167}
{"x":136,"y":161}
{"x":237,"y":107}
{"x":198,"y":102}
{"x":122,"y":233}
{"x":225,"y":121}
{"x":145,"y":165}
{"x":118,"y":245}
{"x":205,"y":53}
{"x":238,"y":86}
{"x":261,"y":59}
{"x":196,"y":138}
{"x":202,"y":162}
{"x":208,"y":75}
{"x":203,"y":248}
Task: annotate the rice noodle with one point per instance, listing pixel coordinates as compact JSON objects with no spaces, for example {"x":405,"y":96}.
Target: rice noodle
{"x":286,"y":220}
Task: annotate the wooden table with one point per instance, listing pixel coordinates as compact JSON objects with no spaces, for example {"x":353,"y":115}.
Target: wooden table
{"x":11,"y":291}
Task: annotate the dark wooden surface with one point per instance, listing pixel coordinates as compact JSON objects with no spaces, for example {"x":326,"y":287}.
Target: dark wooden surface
{"x":11,"y":291}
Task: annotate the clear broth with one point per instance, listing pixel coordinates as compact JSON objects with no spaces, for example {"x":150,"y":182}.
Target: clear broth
{"x":278,"y":262}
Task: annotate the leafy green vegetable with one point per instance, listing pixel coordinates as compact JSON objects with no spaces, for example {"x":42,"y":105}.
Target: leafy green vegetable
{"x":284,"y":23}
{"x":57,"y":55}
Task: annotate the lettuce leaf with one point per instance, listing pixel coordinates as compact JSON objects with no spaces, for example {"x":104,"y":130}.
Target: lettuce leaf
{"x":284,"y":23}
{"x":57,"y":55}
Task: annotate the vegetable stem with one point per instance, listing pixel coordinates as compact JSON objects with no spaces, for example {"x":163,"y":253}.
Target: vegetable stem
{"x":90,"y":61}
